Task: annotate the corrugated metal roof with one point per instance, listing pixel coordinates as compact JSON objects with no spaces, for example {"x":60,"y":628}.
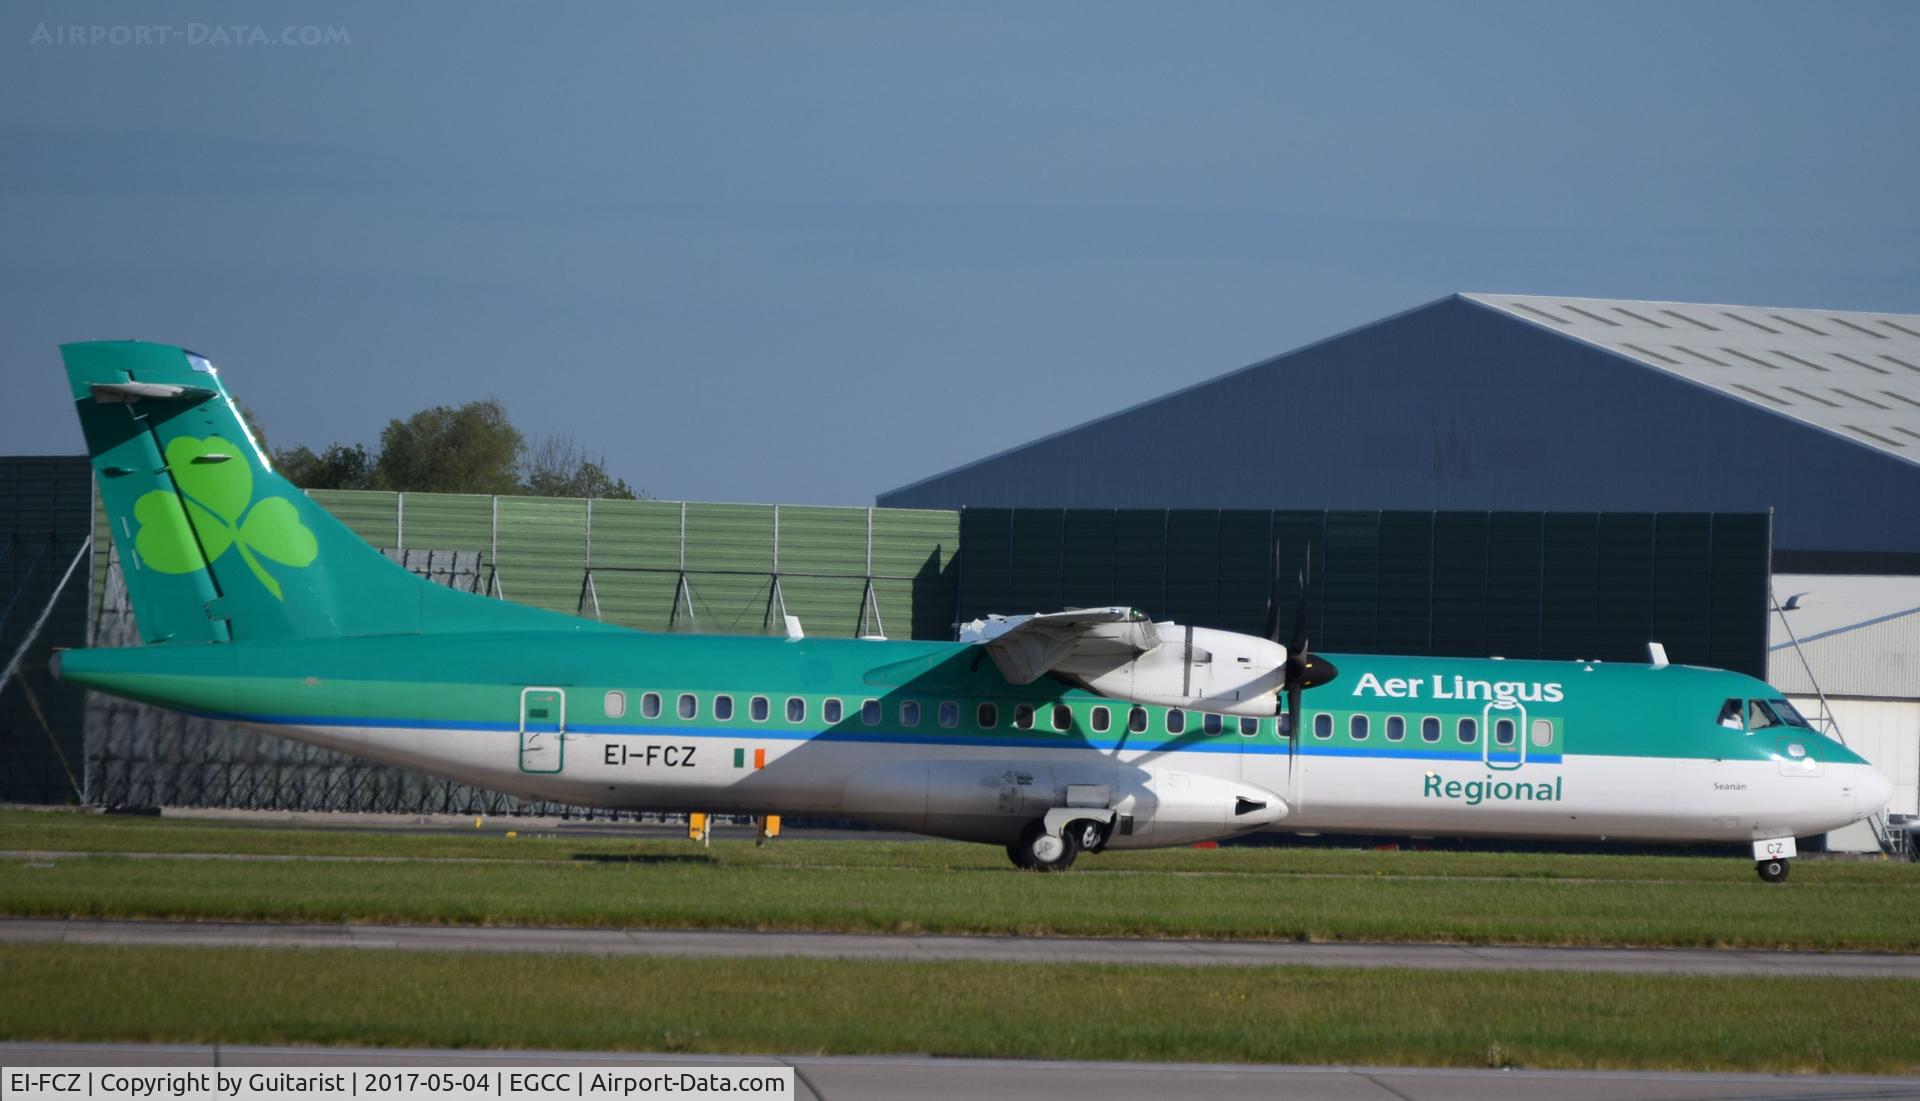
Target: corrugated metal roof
{"x":1853,"y":374}
{"x":1860,"y":635}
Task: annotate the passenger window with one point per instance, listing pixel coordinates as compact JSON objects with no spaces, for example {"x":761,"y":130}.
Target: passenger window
{"x":909,"y":712}
{"x":1062,"y":717}
{"x":1101,"y":720}
{"x":1249,"y":726}
{"x":1503,"y":731}
{"x":1137,"y":720}
{"x":650,"y":705}
{"x":1210,"y":722}
{"x":989,"y":716}
{"x":1542,"y":732}
{"x":1022,"y":716}
{"x":1323,"y":725}
{"x":1396,"y":728}
{"x":870,"y":712}
{"x":796,"y":709}
{"x":723,"y":708}
{"x":1469,"y":731}
{"x":829,"y":711}
{"x":1357,"y":726}
{"x":1429,"y":729}
{"x":1176,"y":721}
{"x":616,"y":704}
{"x":689,"y":707}
{"x":949,"y":713}
{"x":758,"y":709}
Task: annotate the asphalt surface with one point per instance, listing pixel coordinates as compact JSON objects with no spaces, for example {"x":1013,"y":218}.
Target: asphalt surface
{"x":868,"y":946}
{"x":872,"y":1078}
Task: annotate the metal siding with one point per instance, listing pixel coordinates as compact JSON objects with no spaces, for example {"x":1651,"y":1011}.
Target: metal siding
{"x":1407,"y":570}
{"x":1245,"y":556}
{"x":823,"y":563}
{"x":543,"y":552}
{"x":1737,"y":604}
{"x":1351,"y":582}
{"x":372,"y":514}
{"x":1624,"y":582}
{"x":921,"y":545}
{"x":1569,"y":583}
{"x":1192,"y":567}
{"x":1514,"y":569}
{"x":1089,"y":546}
{"x":1467,"y":408}
{"x":46,"y":515}
{"x":447,"y":521}
{"x":986,"y":561}
{"x":1038,"y":561}
{"x":1140,"y":560}
{"x":1682,"y":585}
{"x":1460,"y":567}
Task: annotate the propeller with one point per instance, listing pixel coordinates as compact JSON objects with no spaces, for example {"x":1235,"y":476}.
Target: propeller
{"x":1303,"y":668}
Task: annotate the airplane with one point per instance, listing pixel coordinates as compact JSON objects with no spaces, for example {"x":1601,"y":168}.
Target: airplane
{"x":1051,"y":734}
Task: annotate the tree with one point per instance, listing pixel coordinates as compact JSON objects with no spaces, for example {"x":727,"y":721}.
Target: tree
{"x":470,"y":448}
{"x":340,"y":466}
{"x":557,"y":466}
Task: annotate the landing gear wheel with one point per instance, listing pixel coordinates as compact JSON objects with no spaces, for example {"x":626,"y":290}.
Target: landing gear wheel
{"x":1773,"y":871}
{"x":1041,"y":851}
{"x":1089,"y":836}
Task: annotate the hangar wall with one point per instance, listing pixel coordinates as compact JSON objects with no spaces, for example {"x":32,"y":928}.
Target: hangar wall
{"x":45,"y":506}
{"x":1455,"y":406}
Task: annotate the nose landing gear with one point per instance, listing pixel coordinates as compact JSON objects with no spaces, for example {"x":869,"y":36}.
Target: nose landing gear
{"x":1773,"y":871}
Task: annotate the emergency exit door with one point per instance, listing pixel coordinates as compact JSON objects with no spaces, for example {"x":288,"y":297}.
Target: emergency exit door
{"x":543,"y":729}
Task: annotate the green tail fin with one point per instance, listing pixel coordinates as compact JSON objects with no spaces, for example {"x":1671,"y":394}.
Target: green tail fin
{"x":215,"y":546}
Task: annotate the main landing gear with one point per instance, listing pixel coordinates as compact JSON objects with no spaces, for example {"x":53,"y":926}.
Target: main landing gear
{"x":1042,"y":850}
{"x":1773,"y":871}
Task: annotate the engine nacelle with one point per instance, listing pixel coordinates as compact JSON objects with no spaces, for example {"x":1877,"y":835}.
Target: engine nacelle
{"x":1194,"y":667}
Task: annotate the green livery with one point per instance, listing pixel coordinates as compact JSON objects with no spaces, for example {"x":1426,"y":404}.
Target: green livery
{"x":259,"y":607}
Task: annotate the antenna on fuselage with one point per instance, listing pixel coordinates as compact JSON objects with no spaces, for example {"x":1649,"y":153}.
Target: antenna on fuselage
{"x":1657,"y":654}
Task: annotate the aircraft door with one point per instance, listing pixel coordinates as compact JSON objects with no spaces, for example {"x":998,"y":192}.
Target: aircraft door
{"x":543,"y":729}
{"x":1503,"y":734}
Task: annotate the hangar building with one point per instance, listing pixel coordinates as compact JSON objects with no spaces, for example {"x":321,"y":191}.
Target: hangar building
{"x":1510,"y":402}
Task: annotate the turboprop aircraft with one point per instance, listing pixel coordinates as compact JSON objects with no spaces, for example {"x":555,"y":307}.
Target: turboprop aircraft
{"x":1052,"y":734}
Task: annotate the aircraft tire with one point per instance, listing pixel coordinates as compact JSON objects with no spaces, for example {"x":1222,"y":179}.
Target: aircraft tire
{"x":1089,"y":836}
{"x":1041,"y":851}
{"x":1773,"y":871}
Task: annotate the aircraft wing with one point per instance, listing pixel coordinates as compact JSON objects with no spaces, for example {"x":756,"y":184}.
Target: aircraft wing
{"x":1027,"y":647}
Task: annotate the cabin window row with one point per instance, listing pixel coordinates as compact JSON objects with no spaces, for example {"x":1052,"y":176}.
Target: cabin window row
{"x":1026,"y":716}
{"x":1506,"y":732}
{"x":1060,"y":718}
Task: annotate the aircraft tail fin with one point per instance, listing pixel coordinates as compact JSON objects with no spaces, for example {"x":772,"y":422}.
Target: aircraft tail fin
{"x":215,"y":545}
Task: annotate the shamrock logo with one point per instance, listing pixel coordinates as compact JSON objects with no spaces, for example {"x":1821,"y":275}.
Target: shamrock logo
{"x":216,"y":482}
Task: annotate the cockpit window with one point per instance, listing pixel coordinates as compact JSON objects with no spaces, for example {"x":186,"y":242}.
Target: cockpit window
{"x":1731,"y":714}
{"x":1787,"y":713}
{"x":1760,"y":716}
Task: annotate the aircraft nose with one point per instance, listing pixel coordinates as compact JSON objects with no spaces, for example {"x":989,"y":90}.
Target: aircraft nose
{"x":1872,"y":792}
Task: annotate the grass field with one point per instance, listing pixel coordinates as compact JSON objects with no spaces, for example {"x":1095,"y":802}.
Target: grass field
{"x":1273,"y":1015}
{"x":1271,"y":893}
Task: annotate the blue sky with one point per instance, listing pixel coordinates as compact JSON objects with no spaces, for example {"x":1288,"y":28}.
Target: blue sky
{"x":808,"y":252}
